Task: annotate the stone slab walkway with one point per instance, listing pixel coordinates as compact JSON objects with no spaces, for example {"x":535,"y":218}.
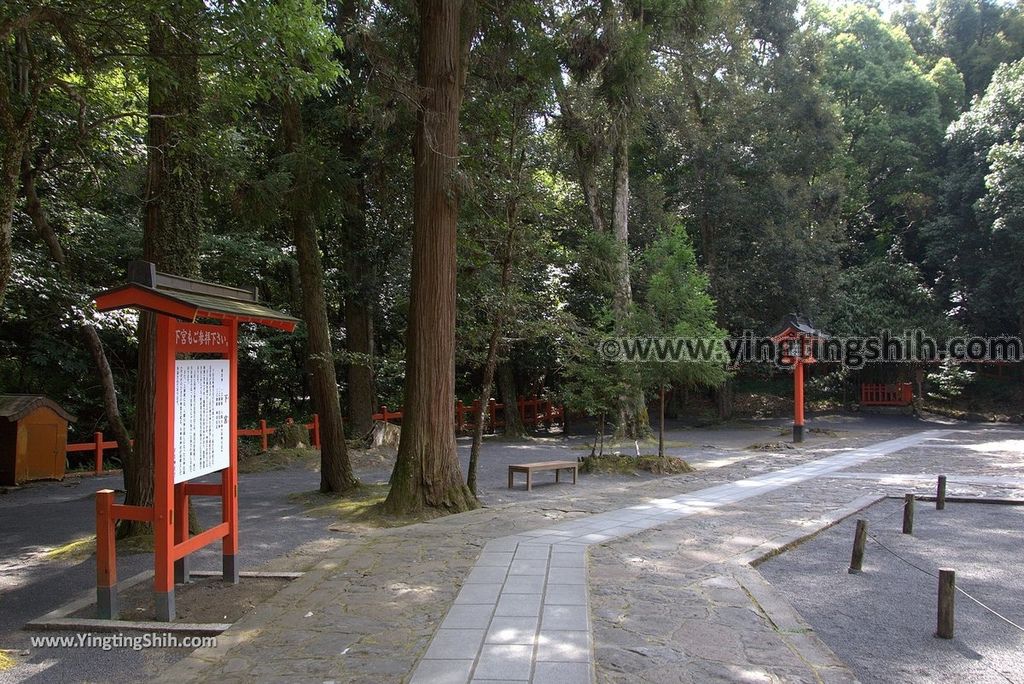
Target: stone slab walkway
{"x":523,"y":613}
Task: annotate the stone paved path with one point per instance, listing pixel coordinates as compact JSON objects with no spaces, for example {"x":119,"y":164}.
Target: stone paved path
{"x":666,"y":604}
{"x":523,"y":615}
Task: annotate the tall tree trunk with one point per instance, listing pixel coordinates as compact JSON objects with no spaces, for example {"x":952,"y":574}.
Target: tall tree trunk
{"x":510,"y":398}
{"x":15,"y":136}
{"x":623,"y":295}
{"x":485,"y":396}
{"x":633,"y":420}
{"x":427,"y":472}
{"x":335,"y":469}
{"x":172,"y":217}
{"x":41,"y":222}
{"x":359,"y":318}
{"x":359,"y":269}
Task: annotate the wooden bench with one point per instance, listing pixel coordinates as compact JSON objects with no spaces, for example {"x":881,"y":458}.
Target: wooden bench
{"x":531,"y":468}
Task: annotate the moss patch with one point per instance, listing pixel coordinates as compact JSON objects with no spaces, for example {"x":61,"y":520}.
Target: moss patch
{"x":85,"y":547}
{"x":278,"y":459}
{"x":770,"y":446}
{"x":629,"y":445}
{"x":630,"y":465}
{"x":360,"y":509}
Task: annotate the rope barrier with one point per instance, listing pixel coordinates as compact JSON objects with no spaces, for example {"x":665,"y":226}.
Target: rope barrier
{"x":957,"y":588}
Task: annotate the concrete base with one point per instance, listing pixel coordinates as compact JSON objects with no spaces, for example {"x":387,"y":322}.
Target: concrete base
{"x":230,"y":569}
{"x":164,"y":605}
{"x":106,"y":603}
{"x":181,"y":570}
{"x":798,"y":434}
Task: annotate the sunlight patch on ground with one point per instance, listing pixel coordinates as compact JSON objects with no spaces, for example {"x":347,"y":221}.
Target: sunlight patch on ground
{"x":1006,"y":445}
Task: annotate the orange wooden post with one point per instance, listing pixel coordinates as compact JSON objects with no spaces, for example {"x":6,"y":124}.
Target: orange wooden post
{"x":798,"y":400}
{"x":181,"y":565}
{"x":492,"y":411}
{"x":460,"y":416}
{"x":163,"y":485}
{"x":263,"y":435}
{"x":229,"y":476}
{"x":98,"y":439}
{"x":106,"y":558}
{"x":384,"y":412}
{"x":535,"y":413}
{"x":316,"y":430}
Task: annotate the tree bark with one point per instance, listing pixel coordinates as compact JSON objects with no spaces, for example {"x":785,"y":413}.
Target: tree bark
{"x":360,"y":271}
{"x":359,"y":319}
{"x":485,"y":396}
{"x":623,"y":296}
{"x":509,"y":397}
{"x":172,"y":213}
{"x":335,"y":469}
{"x":15,"y":135}
{"x":427,"y":472}
{"x":41,"y":222}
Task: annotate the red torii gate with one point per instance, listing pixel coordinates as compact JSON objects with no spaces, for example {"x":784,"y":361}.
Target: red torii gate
{"x":797,"y":335}
{"x":206,"y":428}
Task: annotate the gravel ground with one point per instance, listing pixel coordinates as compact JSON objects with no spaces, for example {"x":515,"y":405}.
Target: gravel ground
{"x":881,"y":623}
{"x":277,"y":533}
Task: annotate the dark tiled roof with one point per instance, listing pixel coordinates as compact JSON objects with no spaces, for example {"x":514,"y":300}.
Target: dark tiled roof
{"x":204,"y":299}
{"x":14,"y":407}
{"x":800,"y":324}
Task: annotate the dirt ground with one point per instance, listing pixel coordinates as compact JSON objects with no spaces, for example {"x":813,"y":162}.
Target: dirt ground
{"x":204,"y":600}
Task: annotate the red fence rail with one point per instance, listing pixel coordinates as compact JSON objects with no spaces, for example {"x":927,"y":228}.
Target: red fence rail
{"x":98,"y":445}
{"x":535,"y":412}
{"x":896,"y":394}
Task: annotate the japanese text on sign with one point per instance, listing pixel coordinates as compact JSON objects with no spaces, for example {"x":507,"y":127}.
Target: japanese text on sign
{"x":201,"y":418}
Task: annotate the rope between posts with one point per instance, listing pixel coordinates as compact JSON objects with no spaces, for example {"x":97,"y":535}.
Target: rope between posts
{"x":956,"y":587}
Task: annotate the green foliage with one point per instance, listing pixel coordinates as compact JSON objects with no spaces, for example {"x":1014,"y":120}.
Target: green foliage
{"x":951,"y":379}
{"x":677,"y":304}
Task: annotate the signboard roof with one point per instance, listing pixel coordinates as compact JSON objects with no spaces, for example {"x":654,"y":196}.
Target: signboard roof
{"x":189,"y":299}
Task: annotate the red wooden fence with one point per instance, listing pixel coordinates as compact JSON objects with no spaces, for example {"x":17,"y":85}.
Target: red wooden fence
{"x":897,"y":394}
{"x":535,"y":412}
{"x":98,"y":445}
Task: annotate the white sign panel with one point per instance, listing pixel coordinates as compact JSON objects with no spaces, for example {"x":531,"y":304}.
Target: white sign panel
{"x":201,"y":418}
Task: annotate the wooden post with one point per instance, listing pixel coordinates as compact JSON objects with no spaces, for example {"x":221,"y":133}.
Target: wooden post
{"x":384,"y":412}
{"x":316,"y":430}
{"x":98,"y":439}
{"x":181,"y":565}
{"x":163,"y":472}
{"x":940,"y":494}
{"x":947,"y":593}
{"x":798,"y":400}
{"x":460,"y":416}
{"x":106,"y":560}
{"x":860,"y":537}
{"x":908,"y":514}
{"x":492,"y":411}
{"x":263,"y":434}
{"x":229,"y":476}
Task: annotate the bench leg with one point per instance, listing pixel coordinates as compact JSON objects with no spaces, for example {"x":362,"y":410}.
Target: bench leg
{"x":574,"y":470}
{"x":510,"y":474}
{"x":557,"y":473}
{"x":529,"y":480}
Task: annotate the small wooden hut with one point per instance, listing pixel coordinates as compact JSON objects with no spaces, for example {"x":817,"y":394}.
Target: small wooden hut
{"x":33,"y":438}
